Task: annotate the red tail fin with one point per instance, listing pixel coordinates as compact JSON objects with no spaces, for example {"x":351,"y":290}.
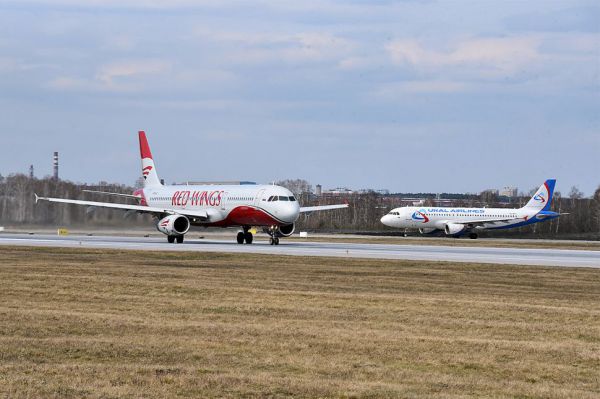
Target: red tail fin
{"x":148,"y":169}
{"x":144,"y":147}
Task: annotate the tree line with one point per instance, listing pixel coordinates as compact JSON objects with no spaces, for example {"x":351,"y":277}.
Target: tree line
{"x":18,"y":208}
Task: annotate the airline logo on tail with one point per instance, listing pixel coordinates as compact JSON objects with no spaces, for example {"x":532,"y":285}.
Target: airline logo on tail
{"x":146,"y":170}
{"x":420,"y":217}
{"x":542,"y":198}
{"x":539,"y":198}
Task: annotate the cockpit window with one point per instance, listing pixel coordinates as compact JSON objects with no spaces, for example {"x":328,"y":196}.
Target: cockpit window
{"x":281,"y":198}
{"x":395,"y":213}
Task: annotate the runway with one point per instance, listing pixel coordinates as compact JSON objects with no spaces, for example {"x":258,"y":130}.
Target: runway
{"x":517,"y":256}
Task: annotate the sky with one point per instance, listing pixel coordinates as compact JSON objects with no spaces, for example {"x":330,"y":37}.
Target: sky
{"x":410,"y":96}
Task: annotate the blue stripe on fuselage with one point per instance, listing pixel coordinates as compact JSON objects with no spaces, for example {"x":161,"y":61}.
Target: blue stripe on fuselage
{"x":548,"y":215}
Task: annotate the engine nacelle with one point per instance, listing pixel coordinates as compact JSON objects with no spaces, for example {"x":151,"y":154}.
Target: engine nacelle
{"x":173,"y":225}
{"x":287,"y":230}
{"x":453,"y":228}
{"x":281,"y":231}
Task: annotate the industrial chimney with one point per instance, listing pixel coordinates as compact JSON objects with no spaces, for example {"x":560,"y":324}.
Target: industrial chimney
{"x":55,"y":163}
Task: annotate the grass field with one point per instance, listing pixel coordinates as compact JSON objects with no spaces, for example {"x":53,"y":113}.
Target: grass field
{"x":92,"y":323}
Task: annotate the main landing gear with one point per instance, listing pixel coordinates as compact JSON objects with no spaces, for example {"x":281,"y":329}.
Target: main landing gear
{"x":473,"y":236}
{"x":245,"y":236}
{"x":172,"y":239}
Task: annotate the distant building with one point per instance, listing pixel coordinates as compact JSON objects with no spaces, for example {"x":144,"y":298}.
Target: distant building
{"x":509,"y":192}
{"x":492,"y":191}
{"x":318,"y":190}
{"x":338,"y":191}
{"x":55,"y":164}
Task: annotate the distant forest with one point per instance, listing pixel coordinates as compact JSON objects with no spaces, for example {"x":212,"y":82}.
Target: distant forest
{"x":18,"y":208}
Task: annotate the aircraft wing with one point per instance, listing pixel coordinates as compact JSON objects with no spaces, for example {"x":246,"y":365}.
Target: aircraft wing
{"x":109,"y":193}
{"x":305,"y":209}
{"x":487,"y":221}
{"x":202,"y":214}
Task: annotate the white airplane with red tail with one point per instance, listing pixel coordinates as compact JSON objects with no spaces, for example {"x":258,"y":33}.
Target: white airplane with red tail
{"x":178,"y":207}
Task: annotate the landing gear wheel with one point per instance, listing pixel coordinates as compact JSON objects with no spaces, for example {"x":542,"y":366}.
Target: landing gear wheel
{"x":240,"y":238}
{"x":248,"y":237}
{"x":272,"y":241}
{"x":179,"y":239}
{"x":276,"y":239}
{"x":171,"y":239}
{"x":473,"y":236}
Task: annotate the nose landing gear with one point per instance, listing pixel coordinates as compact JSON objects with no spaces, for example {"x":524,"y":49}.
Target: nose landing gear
{"x":272,"y":231}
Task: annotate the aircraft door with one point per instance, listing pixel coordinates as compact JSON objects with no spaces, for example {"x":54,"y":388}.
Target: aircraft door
{"x":224,"y":197}
{"x":406,"y":217}
{"x":259,"y":197}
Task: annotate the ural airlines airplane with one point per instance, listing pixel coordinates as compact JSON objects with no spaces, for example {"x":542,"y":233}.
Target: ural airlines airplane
{"x":459,"y":221}
{"x":177,"y":208}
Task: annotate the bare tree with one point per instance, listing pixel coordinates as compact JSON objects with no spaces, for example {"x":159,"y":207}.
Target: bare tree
{"x":296,"y":186}
{"x":575,"y":193}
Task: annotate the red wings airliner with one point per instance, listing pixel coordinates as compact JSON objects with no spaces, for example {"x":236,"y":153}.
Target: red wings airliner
{"x":177,"y":208}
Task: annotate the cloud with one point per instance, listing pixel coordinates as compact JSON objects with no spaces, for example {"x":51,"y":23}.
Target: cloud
{"x":141,"y":4}
{"x":573,"y":19}
{"x":249,"y":48}
{"x":491,"y":56}
{"x":391,"y":91}
{"x":8,"y":64}
{"x":122,"y":76}
{"x":108,"y":74}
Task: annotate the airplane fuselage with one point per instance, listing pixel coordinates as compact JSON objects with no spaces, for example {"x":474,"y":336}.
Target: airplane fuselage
{"x":227,"y":205}
{"x":437,"y":218}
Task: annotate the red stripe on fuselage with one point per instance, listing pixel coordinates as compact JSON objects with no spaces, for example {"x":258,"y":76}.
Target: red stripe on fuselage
{"x":248,"y":216}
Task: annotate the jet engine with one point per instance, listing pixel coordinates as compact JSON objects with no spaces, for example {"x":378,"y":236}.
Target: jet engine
{"x":281,"y":231}
{"x":173,"y":225}
{"x":453,"y":228}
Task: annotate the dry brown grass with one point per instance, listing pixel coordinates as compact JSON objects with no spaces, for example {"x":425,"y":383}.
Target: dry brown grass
{"x":93,"y":323}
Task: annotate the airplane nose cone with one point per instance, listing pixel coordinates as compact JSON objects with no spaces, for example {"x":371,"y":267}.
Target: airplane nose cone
{"x":386,"y":220}
{"x":289,"y":213}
